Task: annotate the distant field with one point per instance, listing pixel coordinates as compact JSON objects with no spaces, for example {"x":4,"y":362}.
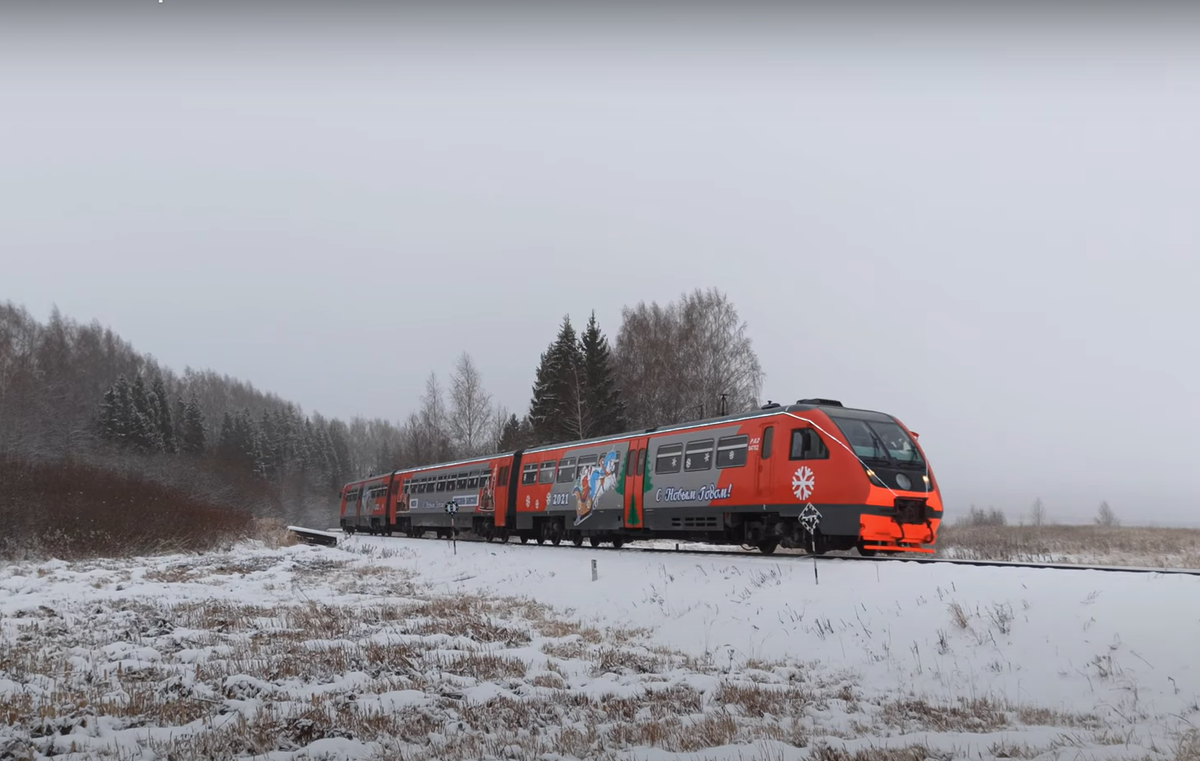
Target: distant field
{"x":1100,"y":545}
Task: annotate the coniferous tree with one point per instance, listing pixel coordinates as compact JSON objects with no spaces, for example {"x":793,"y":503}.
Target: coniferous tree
{"x":603,"y":406}
{"x":162,"y":411}
{"x":510,"y":438}
{"x":111,"y":424}
{"x":192,"y":434}
{"x":117,"y":412}
{"x":144,"y":425}
{"x":555,"y":412}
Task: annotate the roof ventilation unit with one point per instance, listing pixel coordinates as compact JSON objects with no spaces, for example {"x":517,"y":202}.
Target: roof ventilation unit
{"x":820,"y":402}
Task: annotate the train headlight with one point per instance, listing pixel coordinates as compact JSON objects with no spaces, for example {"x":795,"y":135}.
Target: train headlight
{"x":903,"y":482}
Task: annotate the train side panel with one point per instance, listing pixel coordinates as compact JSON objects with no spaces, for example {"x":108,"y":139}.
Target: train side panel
{"x":572,"y":491}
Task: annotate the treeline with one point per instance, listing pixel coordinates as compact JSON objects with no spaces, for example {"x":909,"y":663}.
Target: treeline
{"x":684,"y":361}
{"x":77,"y":393}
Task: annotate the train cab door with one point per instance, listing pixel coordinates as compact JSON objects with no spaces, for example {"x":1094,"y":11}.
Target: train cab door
{"x":766,"y":459}
{"x":635,"y":471}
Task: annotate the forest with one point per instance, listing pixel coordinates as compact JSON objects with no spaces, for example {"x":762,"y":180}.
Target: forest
{"x":104,"y":450}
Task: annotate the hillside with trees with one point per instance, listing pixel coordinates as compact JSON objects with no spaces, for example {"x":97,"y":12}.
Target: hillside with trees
{"x":139,"y":438}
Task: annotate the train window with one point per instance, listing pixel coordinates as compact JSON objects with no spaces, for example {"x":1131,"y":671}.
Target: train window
{"x":502,"y":480}
{"x":807,"y":445}
{"x":630,"y":462}
{"x":529,"y":474}
{"x":768,"y":437}
{"x":731,"y":451}
{"x":461,"y":481}
{"x":473,"y":481}
{"x":698,"y":455}
{"x":483,"y":480}
{"x":640,"y":466}
{"x":566,"y":470}
{"x":668,"y":458}
{"x":441,"y":484}
{"x":547,"y":474}
{"x":588,"y":459}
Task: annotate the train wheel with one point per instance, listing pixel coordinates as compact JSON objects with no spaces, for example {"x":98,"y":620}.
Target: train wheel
{"x":594,"y":541}
{"x":577,"y":539}
{"x":865,"y":553}
{"x":618,"y":543}
{"x":767,"y":547}
{"x":524,"y":538}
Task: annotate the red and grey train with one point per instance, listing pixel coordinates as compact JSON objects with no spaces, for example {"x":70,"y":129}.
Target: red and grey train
{"x":816,"y":475}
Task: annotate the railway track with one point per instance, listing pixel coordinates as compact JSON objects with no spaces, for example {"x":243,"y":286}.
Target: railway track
{"x":333,"y":536}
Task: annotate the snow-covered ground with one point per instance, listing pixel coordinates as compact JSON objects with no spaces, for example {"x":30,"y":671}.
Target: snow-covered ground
{"x":404,"y":648}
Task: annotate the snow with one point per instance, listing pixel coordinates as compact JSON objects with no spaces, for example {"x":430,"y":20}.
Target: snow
{"x":390,"y":647}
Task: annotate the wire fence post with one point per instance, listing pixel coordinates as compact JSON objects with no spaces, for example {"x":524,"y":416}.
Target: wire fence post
{"x":595,"y":574}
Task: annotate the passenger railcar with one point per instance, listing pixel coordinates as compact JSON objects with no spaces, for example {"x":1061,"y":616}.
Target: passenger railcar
{"x":858,"y":478}
{"x":369,"y":505}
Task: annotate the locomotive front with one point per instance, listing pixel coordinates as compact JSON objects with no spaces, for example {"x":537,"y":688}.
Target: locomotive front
{"x":903,"y":505}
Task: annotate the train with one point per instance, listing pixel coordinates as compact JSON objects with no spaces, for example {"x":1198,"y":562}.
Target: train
{"x":814,"y":475}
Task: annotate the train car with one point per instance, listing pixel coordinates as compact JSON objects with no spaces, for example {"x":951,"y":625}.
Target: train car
{"x":857,"y":475}
{"x":369,"y":505}
{"x":474,"y":486}
{"x":815,"y":474}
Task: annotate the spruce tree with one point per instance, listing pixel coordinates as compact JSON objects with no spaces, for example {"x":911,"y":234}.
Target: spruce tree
{"x":116,"y":412}
{"x":166,"y":426}
{"x":510,"y":437}
{"x":559,"y":415}
{"x":605,"y":411}
{"x":192,"y":433}
{"x":109,"y":423}
{"x":543,"y":407}
{"x":144,"y":424}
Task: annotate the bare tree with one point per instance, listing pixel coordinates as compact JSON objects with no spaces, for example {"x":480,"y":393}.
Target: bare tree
{"x":470,"y":417}
{"x":1037,"y":513}
{"x":682,"y":361}
{"x":433,"y":424}
{"x":1105,"y":516}
{"x":495,"y":432}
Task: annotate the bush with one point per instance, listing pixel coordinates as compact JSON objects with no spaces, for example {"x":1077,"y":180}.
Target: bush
{"x":977,"y":518}
{"x":70,"y":510}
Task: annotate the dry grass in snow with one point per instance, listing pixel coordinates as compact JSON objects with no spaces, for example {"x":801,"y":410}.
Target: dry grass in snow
{"x":306,"y":652}
{"x":1140,"y":546}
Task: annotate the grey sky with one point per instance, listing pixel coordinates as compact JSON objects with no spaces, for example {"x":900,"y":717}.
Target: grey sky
{"x":991,"y":234}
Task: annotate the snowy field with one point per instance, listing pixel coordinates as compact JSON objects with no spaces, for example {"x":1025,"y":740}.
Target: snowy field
{"x":399,"y":648}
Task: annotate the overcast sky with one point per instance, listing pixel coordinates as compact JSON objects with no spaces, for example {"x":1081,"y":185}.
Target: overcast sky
{"x":987,"y":227}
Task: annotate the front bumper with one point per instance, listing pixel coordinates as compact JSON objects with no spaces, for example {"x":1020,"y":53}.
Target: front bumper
{"x":907,"y":525}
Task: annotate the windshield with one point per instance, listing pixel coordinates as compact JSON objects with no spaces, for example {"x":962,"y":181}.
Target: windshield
{"x":879,"y":441}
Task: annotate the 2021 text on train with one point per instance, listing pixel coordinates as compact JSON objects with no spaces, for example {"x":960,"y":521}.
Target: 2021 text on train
{"x":859,"y":477}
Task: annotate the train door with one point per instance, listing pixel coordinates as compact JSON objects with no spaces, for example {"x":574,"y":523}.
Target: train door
{"x":765,"y":460}
{"x":635,"y":469}
{"x":389,"y":512}
{"x":510,"y":473}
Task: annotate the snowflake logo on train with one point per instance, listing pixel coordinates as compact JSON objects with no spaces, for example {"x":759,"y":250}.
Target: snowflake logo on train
{"x":803,"y":482}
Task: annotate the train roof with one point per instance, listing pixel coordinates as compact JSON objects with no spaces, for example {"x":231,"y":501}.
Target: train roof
{"x":828,"y":406}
